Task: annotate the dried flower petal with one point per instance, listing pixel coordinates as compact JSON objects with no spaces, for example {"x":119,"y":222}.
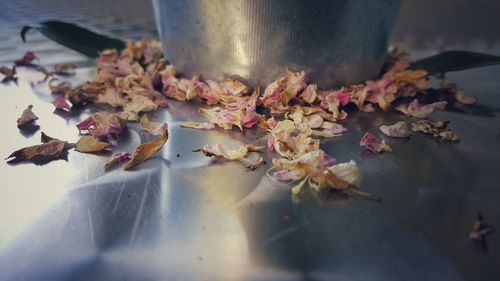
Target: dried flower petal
{"x":61,"y":103}
{"x":26,"y":117}
{"x":26,"y":60}
{"x":329,"y":129}
{"x":310,"y":93}
{"x":436,"y":129}
{"x":146,"y":150}
{"x":293,"y":140}
{"x":224,"y":118}
{"x":374,"y":144}
{"x":138,"y":104}
{"x":48,"y":74}
{"x":66,"y":69}
{"x":9,"y":73}
{"x":461,"y":98}
{"x":198,"y":125}
{"x":316,"y":169}
{"x":397,"y":130}
{"x":89,"y":144}
{"x":61,"y":88}
{"x":103,"y":124}
{"x":111,"y":96}
{"x":40,"y":154}
{"x":418,"y":110}
{"x":243,"y":153}
{"x":116,"y":159}
{"x":154,"y":128}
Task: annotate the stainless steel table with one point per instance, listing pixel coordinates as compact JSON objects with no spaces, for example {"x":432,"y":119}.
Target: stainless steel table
{"x":181,"y":217}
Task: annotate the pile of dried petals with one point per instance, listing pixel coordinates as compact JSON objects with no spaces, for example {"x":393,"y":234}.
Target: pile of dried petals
{"x":294,"y":113}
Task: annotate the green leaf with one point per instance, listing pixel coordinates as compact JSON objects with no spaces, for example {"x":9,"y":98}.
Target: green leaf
{"x":74,"y":37}
{"x":453,"y":61}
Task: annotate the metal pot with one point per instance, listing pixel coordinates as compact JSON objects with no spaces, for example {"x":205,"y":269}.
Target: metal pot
{"x":335,"y":41}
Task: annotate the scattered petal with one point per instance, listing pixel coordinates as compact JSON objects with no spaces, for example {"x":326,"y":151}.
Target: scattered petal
{"x":138,"y":104}
{"x":461,"y":98}
{"x":9,"y":73}
{"x":418,"y":110}
{"x":26,"y":117}
{"x":242,"y":154}
{"x":374,"y":144}
{"x":61,"y":103}
{"x":61,"y":88}
{"x":154,"y":128}
{"x":66,"y":69}
{"x":198,"y":125}
{"x":103,"y":124}
{"x":116,"y":159}
{"x":224,"y":118}
{"x":89,"y":144}
{"x":26,"y":60}
{"x":146,"y":150}
{"x":436,"y":129}
{"x":397,"y":130}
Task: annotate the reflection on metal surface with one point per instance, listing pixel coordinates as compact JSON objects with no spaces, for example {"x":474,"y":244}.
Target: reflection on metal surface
{"x":181,"y":214}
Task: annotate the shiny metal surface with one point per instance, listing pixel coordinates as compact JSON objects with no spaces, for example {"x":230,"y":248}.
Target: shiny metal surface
{"x":180,"y":216}
{"x":334,"y":41}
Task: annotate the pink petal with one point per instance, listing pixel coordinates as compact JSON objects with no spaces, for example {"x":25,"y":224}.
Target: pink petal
{"x":61,"y":103}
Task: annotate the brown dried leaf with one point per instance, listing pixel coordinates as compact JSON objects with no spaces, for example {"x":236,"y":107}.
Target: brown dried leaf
{"x":53,"y":149}
{"x":26,"y":117}
{"x":45,"y":138}
{"x":89,"y":144}
{"x":146,"y":151}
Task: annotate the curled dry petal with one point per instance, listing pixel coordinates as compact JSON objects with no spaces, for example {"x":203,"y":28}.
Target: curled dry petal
{"x":116,"y":159}
{"x":436,"y":129}
{"x":9,"y":73}
{"x":224,"y":118}
{"x":103,"y":123}
{"x":418,"y":110}
{"x":154,"y":128}
{"x":146,"y":150}
{"x":43,"y":153}
{"x":89,"y":144}
{"x":26,"y":117}
{"x":243,"y":154}
{"x":461,"y":98}
{"x":112,"y":96}
{"x":198,"y":125}
{"x":27,"y":59}
{"x":348,"y":172}
{"x":316,"y":169}
{"x":61,"y":103}
{"x":293,"y":140}
{"x":279,"y":93}
{"x":310,"y":93}
{"x":329,"y":129}
{"x":397,"y":130}
{"x":138,"y":104}
{"x":67,"y":69}
{"x":61,"y":88}
{"x":374,"y":144}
